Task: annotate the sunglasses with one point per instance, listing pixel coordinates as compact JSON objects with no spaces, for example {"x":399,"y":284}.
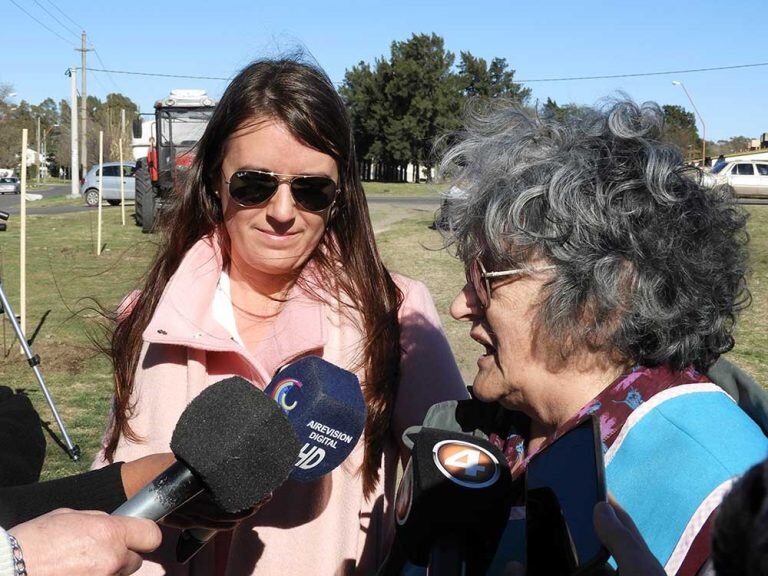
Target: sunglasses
{"x":250,"y":188}
{"x":481,"y":279}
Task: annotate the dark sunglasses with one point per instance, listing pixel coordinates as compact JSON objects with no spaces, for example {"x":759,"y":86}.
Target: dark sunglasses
{"x":250,"y":188}
{"x":480,"y":279}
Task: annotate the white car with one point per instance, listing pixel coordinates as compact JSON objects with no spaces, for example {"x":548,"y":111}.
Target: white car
{"x":113,"y":173}
{"x":746,"y":177}
{"x":10,"y":185}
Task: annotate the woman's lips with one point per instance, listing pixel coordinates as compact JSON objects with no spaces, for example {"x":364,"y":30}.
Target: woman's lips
{"x":490,"y":349}
{"x":277,"y":237}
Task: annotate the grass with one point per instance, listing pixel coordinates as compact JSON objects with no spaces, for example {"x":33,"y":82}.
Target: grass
{"x":401,"y":189}
{"x":49,"y":201}
{"x":63,"y":272}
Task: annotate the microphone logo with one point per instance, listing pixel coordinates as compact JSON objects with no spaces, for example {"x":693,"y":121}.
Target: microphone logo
{"x":466,"y":464}
{"x":281,"y":392}
{"x":310,"y":456}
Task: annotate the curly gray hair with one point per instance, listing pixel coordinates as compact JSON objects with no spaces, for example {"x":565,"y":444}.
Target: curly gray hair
{"x":650,"y":263}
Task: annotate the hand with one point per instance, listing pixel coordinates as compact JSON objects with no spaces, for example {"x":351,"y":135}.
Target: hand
{"x":618,"y":532}
{"x":66,"y":542}
{"x":139,"y":473}
{"x":200,"y":512}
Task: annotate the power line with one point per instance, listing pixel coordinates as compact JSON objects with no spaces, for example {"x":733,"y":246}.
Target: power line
{"x":156,"y":75}
{"x":641,"y":74}
{"x":529,"y":81}
{"x":111,"y":78}
{"x":65,"y":15}
{"x":41,"y":23}
{"x":55,"y":19}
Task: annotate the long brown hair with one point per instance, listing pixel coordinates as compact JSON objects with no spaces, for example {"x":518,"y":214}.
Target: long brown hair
{"x":303,"y":99}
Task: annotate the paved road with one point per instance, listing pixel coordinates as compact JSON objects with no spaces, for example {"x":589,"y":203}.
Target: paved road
{"x":10,"y":202}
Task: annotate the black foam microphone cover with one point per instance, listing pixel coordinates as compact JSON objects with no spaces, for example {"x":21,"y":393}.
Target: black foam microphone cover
{"x":237,"y":442}
{"x":454,"y":486}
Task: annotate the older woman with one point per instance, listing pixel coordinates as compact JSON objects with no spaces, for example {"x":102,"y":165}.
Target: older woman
{"x":604,"y":279}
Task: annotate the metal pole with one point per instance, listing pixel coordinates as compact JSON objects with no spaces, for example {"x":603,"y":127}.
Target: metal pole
{"x":83,"y":106}
{"x":34,"y":362}
{"x":23,"y":234}
{"x":38,"y":150}
{"x":122,"y":175}
{"x":101,"y":190}
{"x":74,"y":171}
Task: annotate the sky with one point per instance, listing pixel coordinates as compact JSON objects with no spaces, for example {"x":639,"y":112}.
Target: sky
{"x":540,"y":40}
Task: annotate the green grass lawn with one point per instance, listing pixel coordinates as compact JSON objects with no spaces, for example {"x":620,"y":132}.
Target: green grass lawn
{"x":65,"y":279}
{"x":402,"y":189}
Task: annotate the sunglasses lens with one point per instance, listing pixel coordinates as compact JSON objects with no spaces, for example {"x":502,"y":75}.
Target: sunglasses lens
{"x":252,"y":188}
{"x":314,"y":193}
{"x":478,"y":283}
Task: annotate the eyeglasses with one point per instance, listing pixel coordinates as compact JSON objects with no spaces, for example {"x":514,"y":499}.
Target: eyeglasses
{"x":481,"y":279}
{"x":250,"y":188}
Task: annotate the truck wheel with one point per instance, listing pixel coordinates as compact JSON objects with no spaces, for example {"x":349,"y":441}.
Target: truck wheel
{"x":144,"y":192}
{"x":92,"y":197}
{"x":148,"y":212}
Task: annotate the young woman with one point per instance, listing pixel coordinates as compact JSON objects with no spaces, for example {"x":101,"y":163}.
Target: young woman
{"x":268,"y":255}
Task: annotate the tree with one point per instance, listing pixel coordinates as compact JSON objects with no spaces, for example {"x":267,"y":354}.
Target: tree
{"x":680,"y":130}
{"x":362,"y":92}
{"x":55,"y":123}
{"x":551,"y":109}
{"x":402,"y":104}
{"x":422,"y":97}
{"x":477,"y":79}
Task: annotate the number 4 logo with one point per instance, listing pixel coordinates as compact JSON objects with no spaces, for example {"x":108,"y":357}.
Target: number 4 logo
{"x":466,"y":464}
{"x":468,"y":460}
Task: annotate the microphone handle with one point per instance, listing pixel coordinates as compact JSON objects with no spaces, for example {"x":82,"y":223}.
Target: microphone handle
{"x":191,"y":541}
{"x":448,"y":556}
{"x":170,"y":490}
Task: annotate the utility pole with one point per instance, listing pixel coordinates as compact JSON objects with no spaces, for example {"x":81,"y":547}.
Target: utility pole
{"x":38,"y":149}
{"x":122,"y":168}
{"x":83,"y":104}
{"x":74,"y":163}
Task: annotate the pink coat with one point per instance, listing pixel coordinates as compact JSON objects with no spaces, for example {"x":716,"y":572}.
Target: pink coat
{"x":326,"y":527}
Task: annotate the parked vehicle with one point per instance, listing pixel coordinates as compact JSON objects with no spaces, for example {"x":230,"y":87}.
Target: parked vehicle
{"x":10,"y":185}
{"x":747,"y":178}
{"x":163,"y":147}
{"x":114,"y":172}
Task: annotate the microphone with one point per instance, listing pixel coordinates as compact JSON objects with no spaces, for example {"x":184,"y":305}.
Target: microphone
{"x":230,"y":441}
{"x":452,"y":504}
{"x":326,"y":409}
{"x":325,"y":405}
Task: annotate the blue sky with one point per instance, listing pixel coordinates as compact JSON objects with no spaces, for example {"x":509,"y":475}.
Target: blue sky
{"x":539,"y":40}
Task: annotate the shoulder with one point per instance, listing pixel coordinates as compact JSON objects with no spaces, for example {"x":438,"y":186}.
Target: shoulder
{"x":675,"y":458}
{"x":697,"y":422}
{"x":416,"y":295}
{"x":409,"y":285}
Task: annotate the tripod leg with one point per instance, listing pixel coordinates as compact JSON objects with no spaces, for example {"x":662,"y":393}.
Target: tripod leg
{"x":34,"y":363}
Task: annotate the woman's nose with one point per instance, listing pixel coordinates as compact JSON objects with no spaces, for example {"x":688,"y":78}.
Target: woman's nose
{"x":466,"y":305}
{"x":281,"y":206}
